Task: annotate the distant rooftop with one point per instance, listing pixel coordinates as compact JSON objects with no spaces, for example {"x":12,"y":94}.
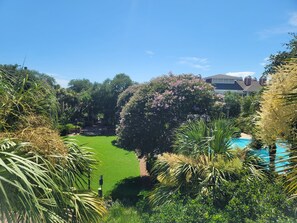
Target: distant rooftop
{"x":254,"y":87}
{"x":224,"y":83}
{"x":227,"y":87}
{"x":223,"y":76}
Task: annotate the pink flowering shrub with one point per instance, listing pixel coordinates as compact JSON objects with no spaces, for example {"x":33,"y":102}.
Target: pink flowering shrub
{"x":125,"y":96}
{"x":155,"y":109}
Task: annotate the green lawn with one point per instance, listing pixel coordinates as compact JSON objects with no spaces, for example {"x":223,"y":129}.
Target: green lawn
{"x":115,"y":164}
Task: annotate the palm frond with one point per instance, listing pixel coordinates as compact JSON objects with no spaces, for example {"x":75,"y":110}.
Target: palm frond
{"x":22,"y":181}
{"x":203,"y":162}
{"x":33,"y":189}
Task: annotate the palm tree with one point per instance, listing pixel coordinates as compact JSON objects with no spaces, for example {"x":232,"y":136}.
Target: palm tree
{"x":33,"y":189}
{"x":291,"y":98}
{"x":278,"y":117}
{"x":41,"y":177}
{"x":197,"y":138}
{"x":204,"y":160}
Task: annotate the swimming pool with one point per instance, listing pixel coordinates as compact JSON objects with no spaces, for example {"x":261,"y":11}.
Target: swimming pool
{"x":281,"y":152}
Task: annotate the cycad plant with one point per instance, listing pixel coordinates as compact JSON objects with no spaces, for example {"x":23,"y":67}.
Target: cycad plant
{"x":203,"y":160}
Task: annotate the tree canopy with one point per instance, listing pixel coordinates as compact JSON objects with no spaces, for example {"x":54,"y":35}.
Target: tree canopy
{"x":83,"y":102}
{"x":156,"y":108}
{"x":282,"y":57}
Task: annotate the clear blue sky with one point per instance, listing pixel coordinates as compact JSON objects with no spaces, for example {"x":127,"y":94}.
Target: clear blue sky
{"x":96,"y":39}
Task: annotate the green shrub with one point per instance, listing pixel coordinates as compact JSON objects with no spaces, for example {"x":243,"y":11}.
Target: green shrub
{"x":197,"y":210}
{"x":239,"y":201}
{"x":68,"y":129}
{"x":259,"y":201}
{"x":129,"y":191}
{"x":121,"y":214}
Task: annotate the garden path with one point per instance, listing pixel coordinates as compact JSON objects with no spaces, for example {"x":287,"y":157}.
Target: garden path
{"x":142,"y":166}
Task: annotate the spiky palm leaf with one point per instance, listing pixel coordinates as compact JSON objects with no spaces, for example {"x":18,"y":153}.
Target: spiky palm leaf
{"x":198,"y":138}
{"x":198,"y":174}
{"x":22,"y":98}
{"x":33,"y":189}
{"x":23,"y":182}
{"x":75,"y":166}
{"x":204,"y":161}
{"x":221,"y":132}
{"x":38,"y":177}
{"x":192,"y":138}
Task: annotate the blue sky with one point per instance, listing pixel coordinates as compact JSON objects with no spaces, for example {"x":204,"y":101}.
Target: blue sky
{"x":97,"y":39}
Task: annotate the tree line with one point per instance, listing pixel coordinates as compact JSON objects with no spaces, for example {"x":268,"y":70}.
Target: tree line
{"x":196,"y":176}
{"x":82,"y":103}
{"x":173,"y":118}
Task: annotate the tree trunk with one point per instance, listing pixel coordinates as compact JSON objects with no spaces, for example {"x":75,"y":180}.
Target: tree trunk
{"x":272,"y":155}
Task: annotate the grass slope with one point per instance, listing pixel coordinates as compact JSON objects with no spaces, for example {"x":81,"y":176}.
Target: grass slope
{"x":115,"y":164}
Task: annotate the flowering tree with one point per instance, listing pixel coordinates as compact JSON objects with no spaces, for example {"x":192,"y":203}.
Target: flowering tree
{"x":158,"y":107}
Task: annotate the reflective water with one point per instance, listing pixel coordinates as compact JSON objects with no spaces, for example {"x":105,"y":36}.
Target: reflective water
{"x":281,"y":152}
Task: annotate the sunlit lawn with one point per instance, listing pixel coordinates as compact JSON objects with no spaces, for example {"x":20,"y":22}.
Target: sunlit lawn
{"x":115,"y":163}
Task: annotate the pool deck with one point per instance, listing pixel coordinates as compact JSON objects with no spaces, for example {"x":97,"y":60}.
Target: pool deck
{"x":245,"y":136}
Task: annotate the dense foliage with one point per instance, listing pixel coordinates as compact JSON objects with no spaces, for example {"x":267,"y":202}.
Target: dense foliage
{"x":24,"y":94}
{"x":203,"y":160}
{"x":196,"y":175}
{"x":36,"y":188}
{"x":158,"y":107}
{"x":84,"y":103}
{"x":282,"y":57}
{"x":40,"y":174}
{"x":257,"y":201}
{"x":232,"y":106}
{"x":278,"y":116}
{"x":235,"y":201}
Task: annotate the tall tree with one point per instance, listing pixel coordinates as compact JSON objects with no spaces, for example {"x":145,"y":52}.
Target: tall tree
{"x":80,"y":85}
{"x":278,"y":118}
{"x":105,"y":96}
{"x":84,"y":101}
{"x":232,"y":104}
{"x":76,"y":105}
{"x":282,"y":57}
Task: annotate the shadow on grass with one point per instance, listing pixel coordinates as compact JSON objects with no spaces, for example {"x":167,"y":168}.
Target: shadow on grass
{"x":128,"y":191}
{"x":115,"y":143}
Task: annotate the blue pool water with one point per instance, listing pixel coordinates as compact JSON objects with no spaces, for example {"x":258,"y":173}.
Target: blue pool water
{"x":281,"y":152}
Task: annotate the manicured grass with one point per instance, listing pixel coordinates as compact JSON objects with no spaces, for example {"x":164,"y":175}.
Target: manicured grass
{"x":115,"y":164}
